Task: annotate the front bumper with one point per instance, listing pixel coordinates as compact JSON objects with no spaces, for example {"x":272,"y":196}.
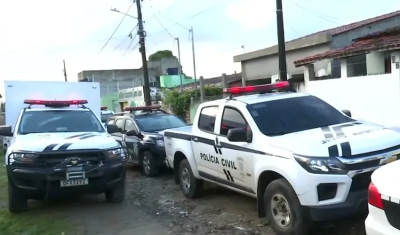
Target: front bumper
{"x":44,"y":183}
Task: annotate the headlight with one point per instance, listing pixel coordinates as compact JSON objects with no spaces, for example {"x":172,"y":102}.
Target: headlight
{"x":23,"y":157}
{"x":114,"y":153}
{"x":160,"y":143}
{"x":322,"y":165}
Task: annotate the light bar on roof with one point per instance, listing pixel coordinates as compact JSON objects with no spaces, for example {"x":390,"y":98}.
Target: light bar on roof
{"x":103,"y":108}
{"x":154,"y":107}
{"x":55,"y":102}
{"x":253,"y":89}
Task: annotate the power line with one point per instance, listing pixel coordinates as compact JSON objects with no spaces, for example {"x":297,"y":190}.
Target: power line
{"x":173,"y":21}
{"x":163,"y":26}
{"x":116,"y":28}
{"x":130,"y":36}
{"x":319,"y":15}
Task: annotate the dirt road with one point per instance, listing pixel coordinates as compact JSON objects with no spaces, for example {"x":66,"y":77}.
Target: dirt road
{"x":155,"y":206}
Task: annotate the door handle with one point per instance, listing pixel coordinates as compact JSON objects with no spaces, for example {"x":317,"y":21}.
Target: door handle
{"x":195,"y":139}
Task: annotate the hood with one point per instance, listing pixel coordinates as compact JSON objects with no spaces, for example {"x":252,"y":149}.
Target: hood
{"x":386,"y":177}
{"x":348,"y":138}
{"x":64,"y":141}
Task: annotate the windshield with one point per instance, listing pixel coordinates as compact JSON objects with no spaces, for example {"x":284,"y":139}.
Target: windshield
{"x":285,"y":116}
{"x":152,"y":123}
{"x":59,"y":121}
{"x":105,"y":116}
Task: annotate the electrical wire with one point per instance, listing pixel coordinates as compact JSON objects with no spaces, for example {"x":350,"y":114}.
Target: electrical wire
{"x":130,"y":44}
{"x":112,"y":35}
{"x":164,"y":27}
{"x":320,"y":15}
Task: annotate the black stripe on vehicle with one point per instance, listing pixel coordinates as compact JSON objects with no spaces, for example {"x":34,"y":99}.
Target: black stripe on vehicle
{"x":75,"y":136}
{"x":50,"y":147}
{"x":87,"y":137}
{"x":223,"y":145}
{"x":64,"y":146}
{"x":226,"y":182}
{"x":327,"y":132}
{"x":346,"y":149}
{"x":333,"y":151}
{"x":338,"y":129}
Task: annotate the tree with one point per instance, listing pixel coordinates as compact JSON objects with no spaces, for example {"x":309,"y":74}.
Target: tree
{"x":161,"y":54}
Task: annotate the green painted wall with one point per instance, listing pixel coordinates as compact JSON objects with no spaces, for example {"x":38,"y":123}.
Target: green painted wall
{"x":170,"y":81}
{"x":108,"y":100}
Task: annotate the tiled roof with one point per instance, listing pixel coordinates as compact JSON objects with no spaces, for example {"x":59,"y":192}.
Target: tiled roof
{"x":355,"y":25}
{"x":389,"y":39}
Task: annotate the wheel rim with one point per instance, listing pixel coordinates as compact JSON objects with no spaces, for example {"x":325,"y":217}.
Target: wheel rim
{"x":281,"y":211}
{"x":185,"y":180}
{"x":146,"y":164}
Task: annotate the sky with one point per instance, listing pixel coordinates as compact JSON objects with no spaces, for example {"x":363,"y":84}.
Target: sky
{"x":36,"y":36}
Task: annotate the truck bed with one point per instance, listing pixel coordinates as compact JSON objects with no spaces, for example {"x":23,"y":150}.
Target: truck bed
{"x":184,"y":130}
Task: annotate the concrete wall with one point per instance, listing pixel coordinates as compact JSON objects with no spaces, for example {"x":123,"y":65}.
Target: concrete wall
{"x":161,"y":66}
{"x":266,"y":67}
{"x":362,"y":95}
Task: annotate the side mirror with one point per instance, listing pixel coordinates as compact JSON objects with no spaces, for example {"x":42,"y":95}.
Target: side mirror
{"x":347,"y":112}
{"x":111,"y":128}
{"x":237,"y":135}
{"x":132,"y":133}
{"x":5,"y":131}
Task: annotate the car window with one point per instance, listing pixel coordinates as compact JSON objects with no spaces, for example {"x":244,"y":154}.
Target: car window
{"x":278,"y":117}
{"x":105,"y":116}
{"x":231,"y":119}
{"x":158,"y":122}
{"x":59,"y":121}
{"x":129,"y":125}
{"x":120,"y":124}
{"x":110,"y":122}
{"x":207,"y":118}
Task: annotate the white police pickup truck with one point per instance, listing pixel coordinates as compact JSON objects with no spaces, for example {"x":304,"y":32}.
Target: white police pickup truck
{"x":300,"y":157}
{"x":57,"y":149}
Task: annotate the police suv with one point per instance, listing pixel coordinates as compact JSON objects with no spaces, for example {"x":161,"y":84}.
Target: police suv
{"x":302,"y":159}
{"x":58,"y":149}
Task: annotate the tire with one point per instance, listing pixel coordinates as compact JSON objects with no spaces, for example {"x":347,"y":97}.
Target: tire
{"x":149,"y":164}
{"x":16,"y":202}
{"x":190,"y":186}
{"x":116,"y":194}
{"x":281,"y":191}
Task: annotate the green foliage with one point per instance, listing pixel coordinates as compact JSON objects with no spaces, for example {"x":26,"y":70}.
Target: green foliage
{"x":179,"y":101}
{"x":160,"y":54}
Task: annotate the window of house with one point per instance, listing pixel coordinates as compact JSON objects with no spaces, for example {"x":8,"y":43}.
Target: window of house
{"x":207,"y":118}
{"x":388,"y":64}
{"x":140,"y":93}
{"x":231,"y":119}
{"x":135,"y":94}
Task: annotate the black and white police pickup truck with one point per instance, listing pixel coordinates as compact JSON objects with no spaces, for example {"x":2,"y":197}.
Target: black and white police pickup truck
{"x":300,"y":157}
{"x":58,"y":149}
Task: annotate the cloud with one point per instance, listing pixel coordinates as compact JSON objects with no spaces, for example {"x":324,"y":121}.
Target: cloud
{"x":252,"y":14}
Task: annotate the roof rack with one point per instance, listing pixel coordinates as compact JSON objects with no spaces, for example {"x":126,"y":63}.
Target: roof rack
{"x":279,"y":86}
{"x":129,"y":111}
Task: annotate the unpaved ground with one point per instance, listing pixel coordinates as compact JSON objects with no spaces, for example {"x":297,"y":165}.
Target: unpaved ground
{"x":155,"y":206}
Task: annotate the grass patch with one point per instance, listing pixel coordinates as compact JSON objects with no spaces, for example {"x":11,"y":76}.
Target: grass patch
{"x":29,"y":223}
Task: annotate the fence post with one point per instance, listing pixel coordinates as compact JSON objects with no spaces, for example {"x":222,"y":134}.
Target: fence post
{"x":224,"y":83}
{"x":201,"y":81}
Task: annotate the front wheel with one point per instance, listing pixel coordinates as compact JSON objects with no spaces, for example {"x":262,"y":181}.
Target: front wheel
{"x":190,"y":186}
{"x":283,"y":209}
{"x":149,"y":164}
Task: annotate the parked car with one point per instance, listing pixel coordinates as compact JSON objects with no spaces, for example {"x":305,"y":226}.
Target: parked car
{"x":384,"y":201}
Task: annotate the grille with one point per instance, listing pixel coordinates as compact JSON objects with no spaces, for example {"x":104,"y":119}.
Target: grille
{"x":363,"y":165}
{"x":51,"y":160}
{"x":361,"y":182}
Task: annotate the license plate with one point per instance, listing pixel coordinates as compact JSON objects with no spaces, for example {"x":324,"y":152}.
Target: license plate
{"x":74,"y":182}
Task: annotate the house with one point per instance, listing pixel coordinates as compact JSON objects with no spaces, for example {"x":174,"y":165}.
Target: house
{"x":264,"y":64}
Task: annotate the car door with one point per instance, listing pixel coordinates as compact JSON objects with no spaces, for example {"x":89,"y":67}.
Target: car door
{"x":236,"y":166}
{"x":206,"y":155}
{"x":119,"y":122}
{"x":131,"y":142}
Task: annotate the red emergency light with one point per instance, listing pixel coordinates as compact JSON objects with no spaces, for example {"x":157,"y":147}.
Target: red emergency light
{"x":103,"y":108}
{"x":55,"y":102}
{"x":253,"y":89}
{"x":143,"y":108}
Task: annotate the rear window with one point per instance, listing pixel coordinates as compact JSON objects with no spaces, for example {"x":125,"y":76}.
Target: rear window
{"x":158,"y":122}
{"x":59,"y":121}
{"x":279,"y":117}
{"x":207,"y":118}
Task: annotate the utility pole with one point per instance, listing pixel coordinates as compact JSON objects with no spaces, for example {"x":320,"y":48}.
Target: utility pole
{"x":179,"y":63}
{"x":281,"y":41}
{"x":65,"y":72}
{"x":142,"y":49}
{"x":194,"y":62}
{"x":244,"y":51}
